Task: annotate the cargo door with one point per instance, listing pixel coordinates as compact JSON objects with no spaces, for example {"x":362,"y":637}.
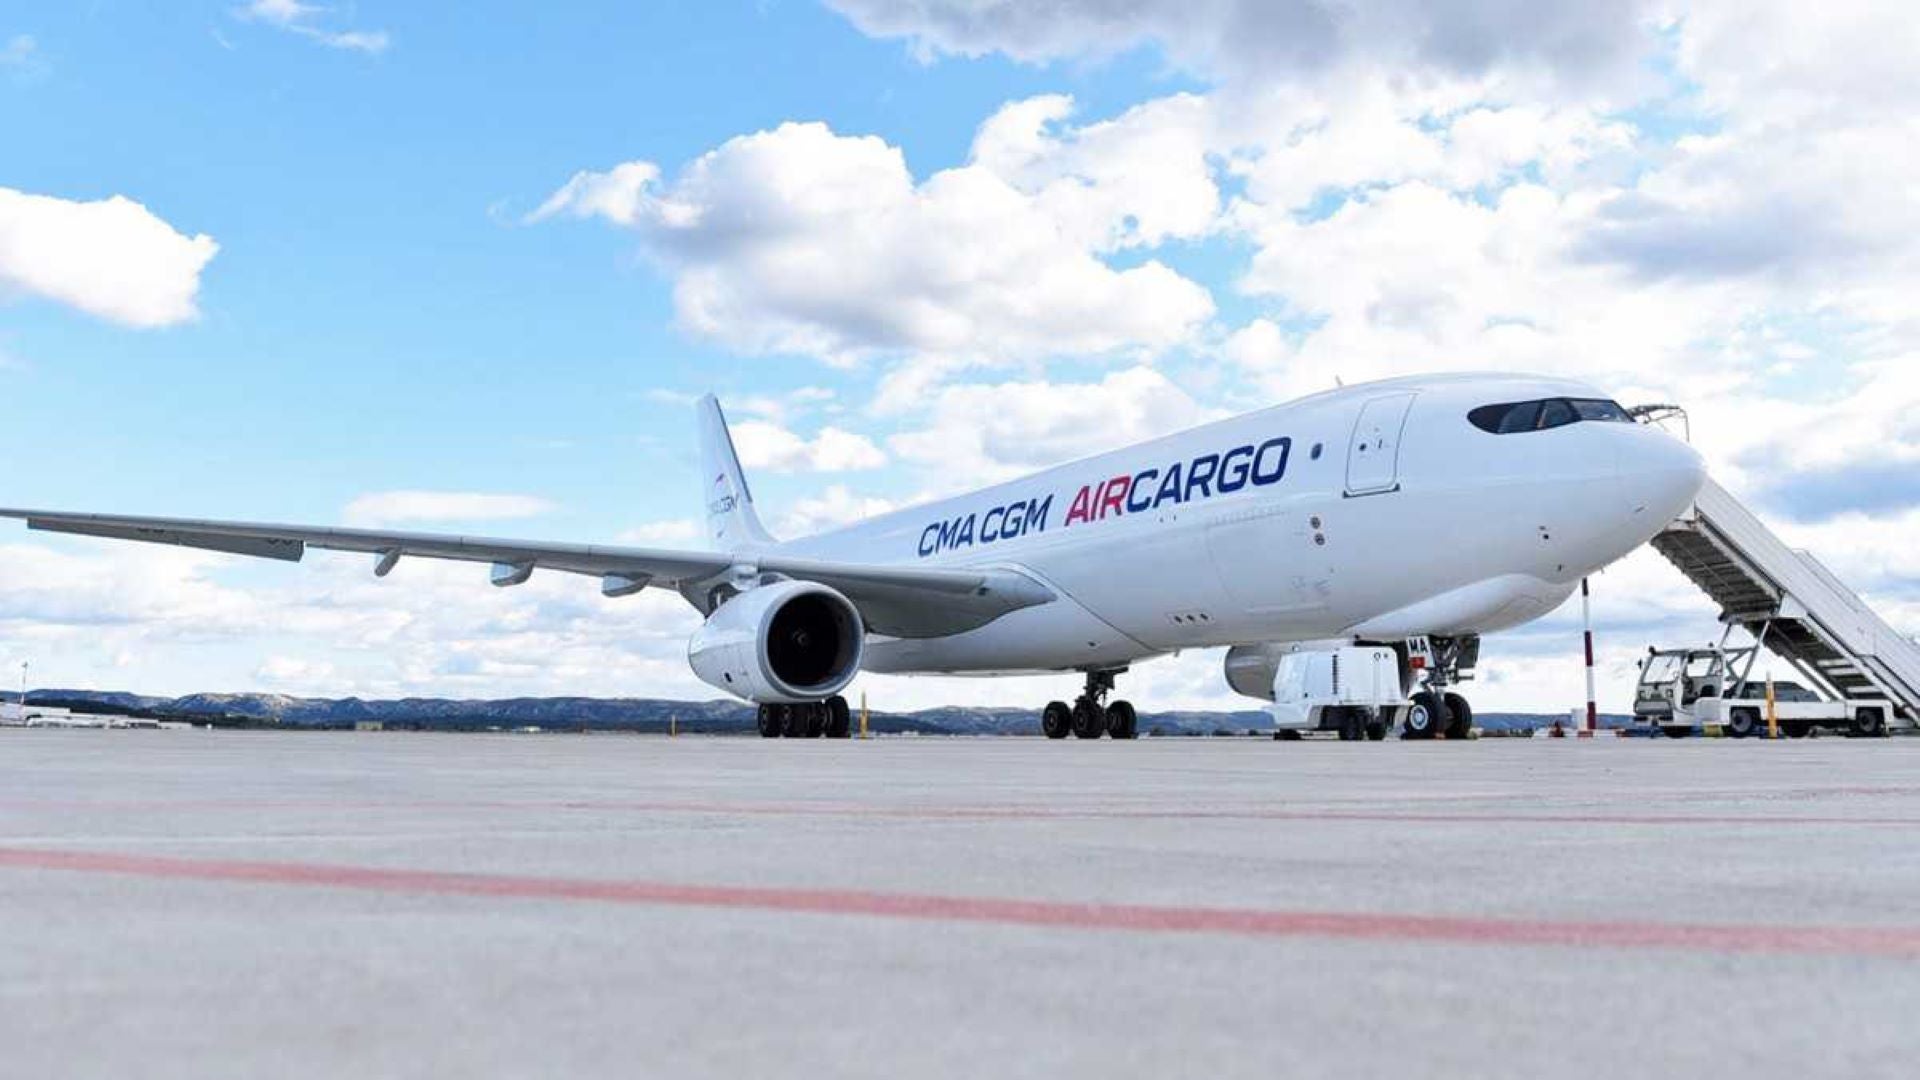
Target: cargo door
{"x":1373,"y":454}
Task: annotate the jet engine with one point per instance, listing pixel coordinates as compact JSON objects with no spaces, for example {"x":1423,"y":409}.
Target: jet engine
{"x":1250,"y":669}
{"x":786,"y":642}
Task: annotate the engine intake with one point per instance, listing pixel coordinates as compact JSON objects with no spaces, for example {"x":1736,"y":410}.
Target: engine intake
{"x":789,"y":641}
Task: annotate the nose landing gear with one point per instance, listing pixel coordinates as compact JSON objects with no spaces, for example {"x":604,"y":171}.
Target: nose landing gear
{"x":1091,"y":716}
{"x":1435,"y":711}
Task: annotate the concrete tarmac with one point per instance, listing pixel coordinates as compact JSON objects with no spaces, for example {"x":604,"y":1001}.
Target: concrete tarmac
{"x":196,"y":904}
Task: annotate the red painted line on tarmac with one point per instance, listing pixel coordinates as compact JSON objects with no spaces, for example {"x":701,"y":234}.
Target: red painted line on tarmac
{"x":1339,"y":926}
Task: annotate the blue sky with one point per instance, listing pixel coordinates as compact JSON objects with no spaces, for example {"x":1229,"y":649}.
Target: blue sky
{"x":437,"y":298}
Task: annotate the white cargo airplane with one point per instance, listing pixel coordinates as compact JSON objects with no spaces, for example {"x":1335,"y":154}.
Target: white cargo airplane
{"x":1414,"y":513}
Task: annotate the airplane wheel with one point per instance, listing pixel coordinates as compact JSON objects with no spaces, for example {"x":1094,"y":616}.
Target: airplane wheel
{"x":1459,"y":717}
{"x":1056,"y":720}
{"x":1425,"y":716}
{"x":768,"y":721}
{"x":816,"y":718}
{"x":793,"y":721}
{"x":1742,"y":723}
{"x":839,"y":718}
{"x":1122,"y":721}
{"x":1089,"y":720}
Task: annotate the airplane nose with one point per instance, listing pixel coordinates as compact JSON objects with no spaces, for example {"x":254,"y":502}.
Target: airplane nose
{"x":1660,"y":474}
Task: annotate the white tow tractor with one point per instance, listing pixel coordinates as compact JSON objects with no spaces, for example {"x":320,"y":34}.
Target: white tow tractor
{"x":1349,"y":689}
{"x":1683,"y":691}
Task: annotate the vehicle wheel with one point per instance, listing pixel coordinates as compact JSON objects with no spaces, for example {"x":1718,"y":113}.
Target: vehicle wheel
{"x":1122,"y":721}
{"x":1056,"y":720}
{"x":1795,"y":729}
{"x":1089,"y":720}
{"x":793,"y":723}
{"x":768,"y":721}
{"x":1676,"y":731}
{"x":1349,"y":725}
{"x":1459,"y":717}
{"x":1425,"y":717}
{"x":1869,"y":724}
{"x":1286,"y":735}
{"x":839,"y":718}
{"x":1377,"y":729}
{"x":1742,"y":723}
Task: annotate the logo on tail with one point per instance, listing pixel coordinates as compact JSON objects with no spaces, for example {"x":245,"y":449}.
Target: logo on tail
{"x":724,"y":501}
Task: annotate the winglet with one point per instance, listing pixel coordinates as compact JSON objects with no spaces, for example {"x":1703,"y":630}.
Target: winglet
{"x":731,"y":521}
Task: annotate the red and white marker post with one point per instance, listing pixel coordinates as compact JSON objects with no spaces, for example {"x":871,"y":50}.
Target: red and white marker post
{"x":1586,"y":626}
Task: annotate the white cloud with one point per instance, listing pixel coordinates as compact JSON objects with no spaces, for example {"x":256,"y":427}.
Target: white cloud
{"x":802,"y":240}
{"x":1269,"y":40}
{"x":834,"y":508}
{"x":20,"y":54}
{"x":973,"y":433}
{"x":294,"y":674}
{"x":300,"y":18}
{"x":1137,"y":180}
{"x":111,"y":258}
{"x":676,"y":532}
{"x":393,"y":507}
{"x":620,"y":195}
{"x":761,"y":444}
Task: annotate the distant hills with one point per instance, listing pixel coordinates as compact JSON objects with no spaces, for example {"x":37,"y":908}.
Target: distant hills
{"x":619,"y":714}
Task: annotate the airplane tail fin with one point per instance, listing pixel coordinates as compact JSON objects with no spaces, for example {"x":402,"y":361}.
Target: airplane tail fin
{"x":731,"y":521}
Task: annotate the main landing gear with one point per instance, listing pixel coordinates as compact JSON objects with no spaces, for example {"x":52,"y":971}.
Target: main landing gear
{"x":808,"y":720}
{"x":1435,"y":711}
{"x":1090,"y":715}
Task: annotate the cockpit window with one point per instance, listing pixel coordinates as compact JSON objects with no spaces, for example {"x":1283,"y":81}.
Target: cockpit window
{"x":1518,"y":416}
{"x":1599,"y":409}
{"x":1521,"y":417}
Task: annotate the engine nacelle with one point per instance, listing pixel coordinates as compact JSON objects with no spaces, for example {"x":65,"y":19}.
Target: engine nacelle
{"x":1250,"y":669}
{"x":787,"y":642}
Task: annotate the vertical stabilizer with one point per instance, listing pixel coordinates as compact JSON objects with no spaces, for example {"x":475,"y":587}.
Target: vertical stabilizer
{"x":731,"y":523}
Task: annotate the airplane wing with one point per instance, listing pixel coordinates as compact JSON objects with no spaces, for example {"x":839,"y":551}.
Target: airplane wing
{"x":897,"y":601}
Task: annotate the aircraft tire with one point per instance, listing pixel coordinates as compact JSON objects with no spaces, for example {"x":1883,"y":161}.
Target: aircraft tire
{"x":1056,"y":720}
{"x":1425,"y":717}
{"x":1459,"y":717}
{"x":768,"y":721}
{"x":839,"y":718}
{"x":793,"y":722}
{"x":1122,"y":721}
{"x":1089,"y":720}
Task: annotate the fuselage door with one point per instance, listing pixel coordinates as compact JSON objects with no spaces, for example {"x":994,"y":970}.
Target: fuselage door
{"x":1373,"y":455}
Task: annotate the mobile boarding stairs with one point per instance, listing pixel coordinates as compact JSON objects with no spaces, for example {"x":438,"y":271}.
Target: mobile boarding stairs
{"x":1792,"y":604}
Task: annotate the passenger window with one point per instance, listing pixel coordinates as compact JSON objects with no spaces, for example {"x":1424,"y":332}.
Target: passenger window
{"x":1521,"y":417}
{"x":1555,"y":413}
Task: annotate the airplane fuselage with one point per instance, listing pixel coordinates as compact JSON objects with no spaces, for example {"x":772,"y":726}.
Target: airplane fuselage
{"x":1373,"y":511}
